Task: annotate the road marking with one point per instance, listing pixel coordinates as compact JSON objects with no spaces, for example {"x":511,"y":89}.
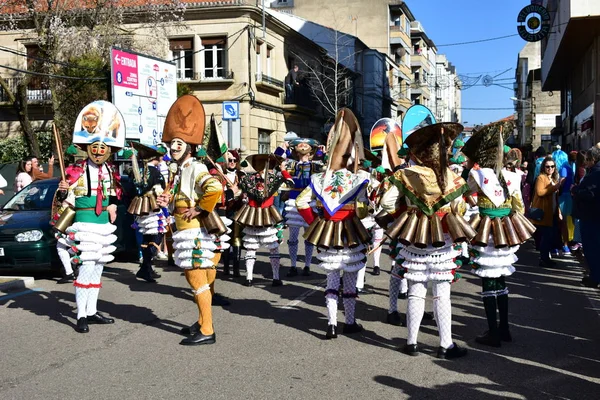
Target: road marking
{"x":303,"y":296}
{"x":13,"y":295}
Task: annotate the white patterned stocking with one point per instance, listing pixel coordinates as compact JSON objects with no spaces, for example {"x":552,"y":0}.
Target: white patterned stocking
{"x":443,"y":312}
{"x":331,"y":296}
{"x":293,"y":245}
{"x":250,"y":260}
{"x":414,"y":311}
{"x":349,"y":296}
{"x":274,"y":258}
{"x":394,"y":288}
{"x":360,"y":278}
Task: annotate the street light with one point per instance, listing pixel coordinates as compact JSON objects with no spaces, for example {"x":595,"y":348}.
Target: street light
{"x":520,"y":101}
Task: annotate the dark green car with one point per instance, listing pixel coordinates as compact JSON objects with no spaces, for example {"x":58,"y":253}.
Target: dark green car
{"x":27,"y":240}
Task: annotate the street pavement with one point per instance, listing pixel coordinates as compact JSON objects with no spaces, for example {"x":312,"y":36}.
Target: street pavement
{"x":270,"y":341}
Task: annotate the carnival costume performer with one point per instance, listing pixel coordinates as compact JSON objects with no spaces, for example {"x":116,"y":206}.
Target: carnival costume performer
{"x":500,"y":224}
{"x":428,"y":230}
{"x":91,"y":189}
{"x":398,"y":285}
{"x":338,"y":234}
{"x":193,"y":194}
{"x":300,"y":167}
{"x":150,"y":219}
{"x":231,"y":203}
{"x":263,"y":224}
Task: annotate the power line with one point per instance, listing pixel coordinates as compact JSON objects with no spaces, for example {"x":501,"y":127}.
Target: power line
{"x":75,"y":78}
{"x":46,"y":60}
{"x":476,"y":41}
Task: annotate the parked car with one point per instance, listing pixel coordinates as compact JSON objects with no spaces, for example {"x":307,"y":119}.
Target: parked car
{"x":27,"y":240}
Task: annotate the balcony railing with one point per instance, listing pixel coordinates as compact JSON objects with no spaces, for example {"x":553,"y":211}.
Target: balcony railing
{"x":38,"y":89}
{"x":199,"y":76}
{"x":269,"y":80}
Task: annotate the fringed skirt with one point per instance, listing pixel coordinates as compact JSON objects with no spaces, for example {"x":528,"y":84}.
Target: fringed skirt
{"x":490,"y":262}
{"x":430,"y":263}
{"x":196,"y":248}
{"x":346,"y":259}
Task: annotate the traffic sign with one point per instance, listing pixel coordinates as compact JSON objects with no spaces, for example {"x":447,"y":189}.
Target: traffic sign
{"x":231,"y":110}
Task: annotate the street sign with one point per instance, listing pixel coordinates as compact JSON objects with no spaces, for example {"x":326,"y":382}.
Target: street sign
{"x":143,"y":90}
{"x":231,"y":110}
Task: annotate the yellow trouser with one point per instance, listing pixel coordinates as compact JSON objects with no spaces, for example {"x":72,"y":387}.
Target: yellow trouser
{"x":199,"y":278}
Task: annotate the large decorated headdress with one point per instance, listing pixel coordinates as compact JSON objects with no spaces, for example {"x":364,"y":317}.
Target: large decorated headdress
{"x":344,"y":143}
{"x":185,"y":120}
{"x":417,"y":116}
{"x":430,"y":145}
{"x":311,"y":142}
{"x":214,"y":143}
{"x":390,"y":159}
{"x":486,"y":146}
{"x":100,"y":121}
{"x":145,"y":152}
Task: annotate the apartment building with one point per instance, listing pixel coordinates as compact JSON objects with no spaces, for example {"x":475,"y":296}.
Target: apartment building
{"x":447,"y":91}
{"x":570,"y":66}
{"x":423,"y":66}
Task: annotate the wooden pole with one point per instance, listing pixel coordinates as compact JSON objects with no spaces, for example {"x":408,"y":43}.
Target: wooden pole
{"x":59,"y":153}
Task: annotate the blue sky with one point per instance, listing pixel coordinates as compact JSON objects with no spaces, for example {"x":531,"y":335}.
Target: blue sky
{"x":456,"y":21}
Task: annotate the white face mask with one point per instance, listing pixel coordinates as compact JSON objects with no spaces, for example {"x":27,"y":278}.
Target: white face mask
{"x":178,"y":149}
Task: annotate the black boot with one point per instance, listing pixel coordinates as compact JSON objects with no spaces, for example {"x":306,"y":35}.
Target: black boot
{"x":505,"y":335}
{"x":331,"y":332}
{"x":226,"y":256}
{"x":82,"y":325}
{"x":292,"y":272}
{"x":491,"y":337}
{"x":236,"y":262}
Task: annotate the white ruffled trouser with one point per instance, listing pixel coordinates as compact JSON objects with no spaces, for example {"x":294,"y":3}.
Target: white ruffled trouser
{"x":197,"y":240}
{"x":261,"y":238}
{"x":294,"y":221}
{"x":93,"y":246}
{"x":493,"y":262}
{"x":424,"y":265}
{"x":152,"y":224}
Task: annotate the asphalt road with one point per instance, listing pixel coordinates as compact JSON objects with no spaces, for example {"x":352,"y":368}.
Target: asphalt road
{"x":270,"y":341}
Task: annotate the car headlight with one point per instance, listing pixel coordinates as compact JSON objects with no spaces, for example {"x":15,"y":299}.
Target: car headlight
{"x":29,"y":236}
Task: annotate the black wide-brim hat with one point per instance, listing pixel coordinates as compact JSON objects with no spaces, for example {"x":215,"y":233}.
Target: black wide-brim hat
{"x":145,"y":152}
{"x":259,"y":161}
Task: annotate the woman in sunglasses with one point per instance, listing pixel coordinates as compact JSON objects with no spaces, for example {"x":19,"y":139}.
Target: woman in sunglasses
{"x":545,"y":199}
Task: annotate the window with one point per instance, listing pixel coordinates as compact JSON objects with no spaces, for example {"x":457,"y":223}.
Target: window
{"x":34,"y":57}
{"x":182,"y":52}
{"x":269,"y":50}
{"x":416,"y":77}
{"x":264,"y":141}
{"x":258,"y":61}
{"x":407,"y":26}
{"x":214,"y":57}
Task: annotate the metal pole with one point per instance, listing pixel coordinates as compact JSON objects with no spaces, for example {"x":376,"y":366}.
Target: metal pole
{"x":230,"y":133}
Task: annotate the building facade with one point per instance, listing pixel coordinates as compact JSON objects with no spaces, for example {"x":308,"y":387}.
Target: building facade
{"x":394,"y":39}
{"x":570,"y":57}
{"x":223,"y":54}
{"x":447,"y":91}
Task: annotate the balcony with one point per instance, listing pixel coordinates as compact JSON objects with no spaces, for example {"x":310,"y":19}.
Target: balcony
{"x":38,"y":89}
{"x":266,"y":83}
{"x":223,"y":78}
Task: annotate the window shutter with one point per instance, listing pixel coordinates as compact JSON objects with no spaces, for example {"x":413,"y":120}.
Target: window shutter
{"x":210,"y":41}
{"x":181,"y":44}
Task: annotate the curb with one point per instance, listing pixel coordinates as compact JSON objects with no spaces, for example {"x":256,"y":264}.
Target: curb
{"x":17,"y":282}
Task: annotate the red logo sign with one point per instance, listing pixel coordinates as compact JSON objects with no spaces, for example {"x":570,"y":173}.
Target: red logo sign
{"x":125,"y":69}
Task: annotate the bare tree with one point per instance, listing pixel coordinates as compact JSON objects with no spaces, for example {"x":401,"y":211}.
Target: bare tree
{"x":67,"y":31}
{"x":329,"y":76}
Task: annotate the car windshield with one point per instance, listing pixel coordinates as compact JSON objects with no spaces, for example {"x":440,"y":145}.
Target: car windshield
{"x":36,"y":196}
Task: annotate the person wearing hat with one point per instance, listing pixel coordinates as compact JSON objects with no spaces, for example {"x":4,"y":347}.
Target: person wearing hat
{"x":339,"y":235}
{"x":499,"y":225}
{"x":300,"y":167}
{"x":428,"y":230}
{"x":232,"y":202}
{"x":91,"y":189}
{"x":193,"y":194}
{"x":150,"y":219}
{"x":263,"y":224}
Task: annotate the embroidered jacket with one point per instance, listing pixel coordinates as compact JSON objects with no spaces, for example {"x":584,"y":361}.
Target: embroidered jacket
{"x":261,"y":193}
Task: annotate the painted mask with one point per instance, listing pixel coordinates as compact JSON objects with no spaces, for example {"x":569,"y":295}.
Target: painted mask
{"x":98,"y":152}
